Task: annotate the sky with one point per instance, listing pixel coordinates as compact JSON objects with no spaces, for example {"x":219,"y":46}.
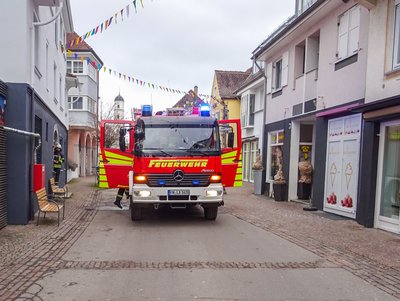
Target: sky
{"x":174,"y":43}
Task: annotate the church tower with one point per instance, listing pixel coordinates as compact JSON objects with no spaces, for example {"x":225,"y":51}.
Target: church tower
{"x":119,"y":107}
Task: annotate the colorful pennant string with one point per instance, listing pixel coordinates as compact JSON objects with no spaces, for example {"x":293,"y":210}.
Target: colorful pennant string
{"x":129,"y":78}
{"x":106,"y":24}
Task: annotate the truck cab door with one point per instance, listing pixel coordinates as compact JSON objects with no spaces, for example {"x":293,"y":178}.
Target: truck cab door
{"x":116,"y":153}
{"x":231,"y":147}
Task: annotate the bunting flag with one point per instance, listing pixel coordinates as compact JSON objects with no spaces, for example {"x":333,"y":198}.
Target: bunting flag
{"x":106,"y":24}
{"x":134,"y":4}
{"x":129,"y":78}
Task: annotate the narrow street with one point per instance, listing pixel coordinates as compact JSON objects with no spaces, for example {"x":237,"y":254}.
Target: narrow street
{"x":98,"y":253}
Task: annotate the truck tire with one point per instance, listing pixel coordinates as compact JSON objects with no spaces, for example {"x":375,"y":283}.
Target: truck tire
{"x":210,"y":213}
{"x":136,"y":213}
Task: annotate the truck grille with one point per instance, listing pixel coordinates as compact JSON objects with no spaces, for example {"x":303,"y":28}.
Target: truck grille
{"x":189,"y":180}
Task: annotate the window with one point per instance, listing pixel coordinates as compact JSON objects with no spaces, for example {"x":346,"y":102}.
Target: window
{"x":69,"y":67}
{"x":55,"y":84}
{"x":252,"y":104}
{"x":277,"y":75}
{"x":300,"y":57}
{"x":56,"y":36}
{"x":47,"y":66}
{"x":75,"y":103}
{"x":59,"y":91}
{"x":37,"y":42}
{"x":91,"y":105}
{"x":396,"y":48}
{"x":304,"y":5}
{"x":253,"y":154}
{"x":248,"y":103}
{"x":348,"y":33}
{"x":276,"y":155}
{"x":74,"y":67}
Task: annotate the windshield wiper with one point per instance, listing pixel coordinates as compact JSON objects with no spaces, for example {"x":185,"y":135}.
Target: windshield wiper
{"x":197,"y":151}
{"x":158,"y":150}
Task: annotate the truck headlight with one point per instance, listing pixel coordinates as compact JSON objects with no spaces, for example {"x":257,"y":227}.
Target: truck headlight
{"x":143,"y":193}
{"x":213,"y":193}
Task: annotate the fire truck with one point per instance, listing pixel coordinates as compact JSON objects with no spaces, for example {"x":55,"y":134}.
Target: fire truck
{"x":175,"y":160}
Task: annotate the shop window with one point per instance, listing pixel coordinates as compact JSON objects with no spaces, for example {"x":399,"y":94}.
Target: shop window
{"x":276,"y":151}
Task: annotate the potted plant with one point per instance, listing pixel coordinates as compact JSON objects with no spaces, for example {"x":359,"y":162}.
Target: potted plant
{"x":304,"y":183}
{"x":257,"y":170}
{"x":279,"y":184}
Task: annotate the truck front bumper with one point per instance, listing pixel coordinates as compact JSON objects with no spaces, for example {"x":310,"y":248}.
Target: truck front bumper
{"x":163,"y":195}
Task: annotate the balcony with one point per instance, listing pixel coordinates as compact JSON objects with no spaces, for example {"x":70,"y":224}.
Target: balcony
{"x":82,"y":119}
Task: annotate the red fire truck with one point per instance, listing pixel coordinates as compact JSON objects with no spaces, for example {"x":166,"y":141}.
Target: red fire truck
{"x":174,"y":161}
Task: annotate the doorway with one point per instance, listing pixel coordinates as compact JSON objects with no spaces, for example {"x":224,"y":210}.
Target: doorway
{"x":388,"y":182}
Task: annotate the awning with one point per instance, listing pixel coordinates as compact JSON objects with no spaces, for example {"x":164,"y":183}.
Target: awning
{"x":337,"y":110}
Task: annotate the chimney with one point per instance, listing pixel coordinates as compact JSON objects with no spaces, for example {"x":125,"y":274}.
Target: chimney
{"x":196,"y":90}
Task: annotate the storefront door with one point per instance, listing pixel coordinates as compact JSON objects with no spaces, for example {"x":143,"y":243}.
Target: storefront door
{"x":342,"y":164}
{"x":388,"y":184}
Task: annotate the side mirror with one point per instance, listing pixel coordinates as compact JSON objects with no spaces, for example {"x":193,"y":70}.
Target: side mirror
{"x":122,"y":145}
{"x":231,"y":139}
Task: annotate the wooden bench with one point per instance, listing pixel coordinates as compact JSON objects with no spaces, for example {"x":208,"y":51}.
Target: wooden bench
{"x":56,"y":190}
{"x":48,"y":205}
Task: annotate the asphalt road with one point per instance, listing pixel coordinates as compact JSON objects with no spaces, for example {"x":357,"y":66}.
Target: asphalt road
{"x":177,"y":255}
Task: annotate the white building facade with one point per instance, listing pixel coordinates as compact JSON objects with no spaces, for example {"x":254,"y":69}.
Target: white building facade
{"x":83,"y":63}
{"x":380,"y":151}
{"x":35,"y":34}
{"x":315,"y":69}
{"x":252,"y":101}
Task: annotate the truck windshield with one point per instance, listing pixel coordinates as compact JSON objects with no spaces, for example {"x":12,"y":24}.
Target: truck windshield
{"x":182,"y":140}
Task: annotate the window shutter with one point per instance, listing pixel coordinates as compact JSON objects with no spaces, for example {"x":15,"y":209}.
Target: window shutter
{"x":343,"y":33}
{"x":269,"y":77}
{"x":354,"y":29}
{"x":285,"y":68}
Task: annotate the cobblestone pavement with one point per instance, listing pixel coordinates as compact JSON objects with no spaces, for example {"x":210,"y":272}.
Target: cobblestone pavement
{"x":370,"y":254}
{"x":29,"y":253}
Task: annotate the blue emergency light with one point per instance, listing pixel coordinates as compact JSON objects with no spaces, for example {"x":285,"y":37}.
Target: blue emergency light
{"x":205,"y":111}
{"x":147,"y":110}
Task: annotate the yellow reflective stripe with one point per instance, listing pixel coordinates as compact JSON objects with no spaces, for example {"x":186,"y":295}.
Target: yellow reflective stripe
{"x":228,"y":155}
{"x":237,"y":184}
{"x":102,"y":178}
{"x":239,"y":170}
{"x":102,"y":171}
{"x":238,"y":177}
{"x":103,"y":184}
{"x":119,"y":162}
{"x":117,"y":156}
{"x":228,"y":161}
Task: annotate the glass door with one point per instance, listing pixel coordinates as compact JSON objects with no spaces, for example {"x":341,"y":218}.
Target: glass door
{"x":388,"y":194}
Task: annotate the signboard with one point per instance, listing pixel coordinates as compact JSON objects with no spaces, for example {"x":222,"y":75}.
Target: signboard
{"x":342,"y":164}
{"x":2,"y":109}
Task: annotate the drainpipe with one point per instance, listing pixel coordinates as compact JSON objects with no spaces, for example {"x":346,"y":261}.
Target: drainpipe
{"x":264,"y":154}
{"x":30,"y":134}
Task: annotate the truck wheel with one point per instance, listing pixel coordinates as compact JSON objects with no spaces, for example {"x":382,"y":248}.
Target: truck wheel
{"x":136,"y":213}
{"x":210,"y":213}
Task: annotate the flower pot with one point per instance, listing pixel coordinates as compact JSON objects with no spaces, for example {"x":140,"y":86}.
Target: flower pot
{"x":304,"y":191}
{"x":280,"y":192}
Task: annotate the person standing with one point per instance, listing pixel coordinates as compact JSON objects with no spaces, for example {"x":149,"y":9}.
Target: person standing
{"x":58,"y":160}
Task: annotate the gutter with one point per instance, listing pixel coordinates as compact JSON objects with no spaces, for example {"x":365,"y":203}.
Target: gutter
{"x":278,"y":33}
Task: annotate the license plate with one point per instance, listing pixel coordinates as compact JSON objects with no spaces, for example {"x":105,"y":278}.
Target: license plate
{"x":178,"y":192}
